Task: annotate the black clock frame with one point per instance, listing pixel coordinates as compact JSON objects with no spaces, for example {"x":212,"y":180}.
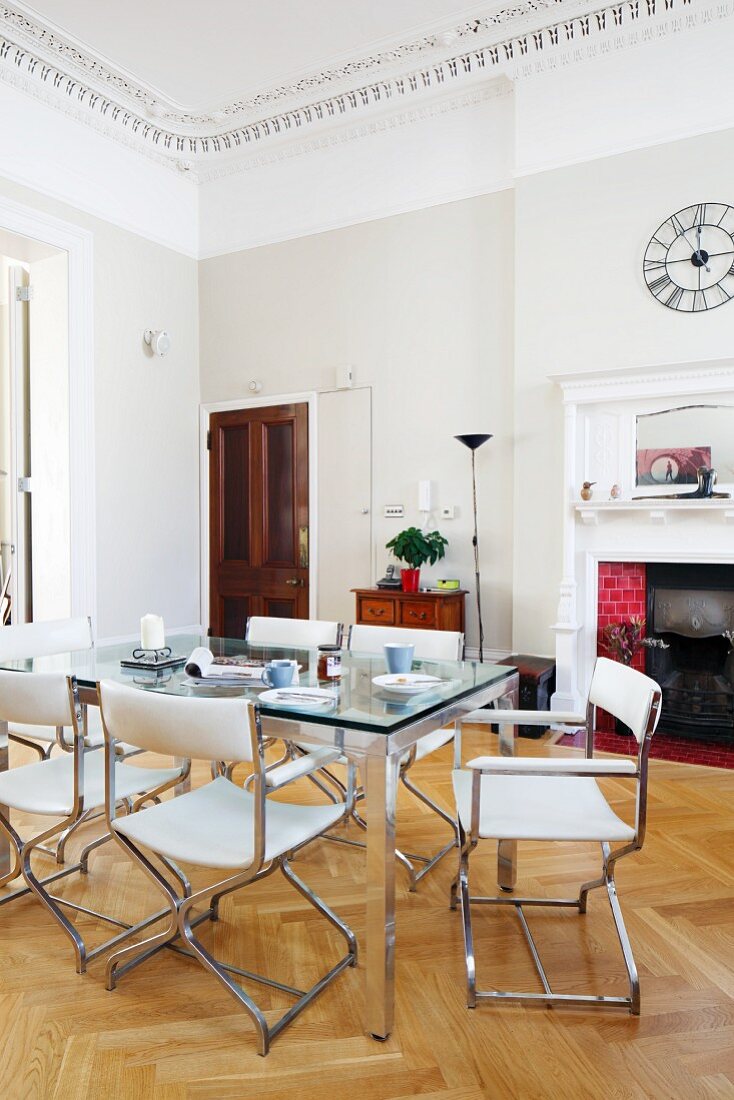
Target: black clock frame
{"x":698,"y":260}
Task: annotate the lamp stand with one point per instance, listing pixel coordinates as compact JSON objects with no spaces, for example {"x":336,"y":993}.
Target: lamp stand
{"x":475,"y":543}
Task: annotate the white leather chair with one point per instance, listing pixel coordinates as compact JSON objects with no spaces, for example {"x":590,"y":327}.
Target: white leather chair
{"x":62,"y":788}
{"x":298,"y":633}
{"x":557,"y":799}
{"x":45,"y":639}
{"x":437,"y":645}
{"x":220,"y":826}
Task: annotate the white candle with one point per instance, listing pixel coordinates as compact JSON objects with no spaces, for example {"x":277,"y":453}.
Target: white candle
{"x":152,"y":633}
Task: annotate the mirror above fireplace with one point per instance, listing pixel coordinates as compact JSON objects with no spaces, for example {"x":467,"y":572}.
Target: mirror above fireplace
{"x":673,"y":443}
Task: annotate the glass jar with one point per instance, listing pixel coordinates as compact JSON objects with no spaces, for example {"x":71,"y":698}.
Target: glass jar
{"x":330,"y":663}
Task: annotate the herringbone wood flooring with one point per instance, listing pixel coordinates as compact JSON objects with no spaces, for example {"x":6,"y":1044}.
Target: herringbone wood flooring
{"x":169,"y":1031}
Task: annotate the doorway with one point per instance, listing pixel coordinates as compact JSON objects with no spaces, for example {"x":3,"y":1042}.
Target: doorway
{"x":35,"y":558}
{"x":258,"y":515}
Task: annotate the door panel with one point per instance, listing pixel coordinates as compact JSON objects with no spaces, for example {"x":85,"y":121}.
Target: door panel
{"x":280,"y":490}
{"x":235,"y":443}
{"x":258,"y":520}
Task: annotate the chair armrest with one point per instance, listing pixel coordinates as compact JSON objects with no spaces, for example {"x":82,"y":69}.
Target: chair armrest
{"x":527,"y":765}
{"x":312,"y":761}
{"x":526,"y":717}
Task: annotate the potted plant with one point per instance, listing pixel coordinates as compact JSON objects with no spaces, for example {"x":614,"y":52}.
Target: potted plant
{"x":621,"y":641}
{"x":415,"y":548}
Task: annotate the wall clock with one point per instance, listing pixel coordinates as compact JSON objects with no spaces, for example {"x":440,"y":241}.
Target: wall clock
{"x":689,"y":262}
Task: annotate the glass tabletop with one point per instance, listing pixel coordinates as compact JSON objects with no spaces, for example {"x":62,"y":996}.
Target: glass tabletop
{"x":358,"y":703}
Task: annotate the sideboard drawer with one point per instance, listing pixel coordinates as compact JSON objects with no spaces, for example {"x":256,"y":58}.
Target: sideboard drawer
{"x":377,"y":611}
{"x":417,"y":613}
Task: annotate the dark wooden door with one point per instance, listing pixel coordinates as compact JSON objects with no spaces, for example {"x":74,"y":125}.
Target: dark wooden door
{"x":258,"y":516}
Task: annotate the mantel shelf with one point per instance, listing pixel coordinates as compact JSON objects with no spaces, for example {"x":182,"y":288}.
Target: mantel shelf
{"x":657,"y":511}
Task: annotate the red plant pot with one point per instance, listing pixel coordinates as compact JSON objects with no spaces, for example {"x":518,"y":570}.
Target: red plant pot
{"x":410,"y":579}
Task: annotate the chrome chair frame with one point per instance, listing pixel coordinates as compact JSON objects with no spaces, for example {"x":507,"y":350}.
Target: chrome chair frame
{"x":469,"y":840}
{"x":181,"y":899}
{"x":23,"y":851}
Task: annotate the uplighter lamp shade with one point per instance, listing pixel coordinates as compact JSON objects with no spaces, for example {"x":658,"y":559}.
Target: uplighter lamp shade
{"x":472,"y":441}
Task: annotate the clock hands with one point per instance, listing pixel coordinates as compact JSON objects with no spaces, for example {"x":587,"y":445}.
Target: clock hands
{"x":698,"y":253}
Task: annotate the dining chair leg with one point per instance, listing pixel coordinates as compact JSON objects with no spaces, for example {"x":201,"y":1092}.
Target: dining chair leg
{"x":471,"y":969}
{"x":47,"y":900}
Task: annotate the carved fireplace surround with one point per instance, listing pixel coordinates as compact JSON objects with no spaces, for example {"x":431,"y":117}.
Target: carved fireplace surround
{"x":599,"y":445}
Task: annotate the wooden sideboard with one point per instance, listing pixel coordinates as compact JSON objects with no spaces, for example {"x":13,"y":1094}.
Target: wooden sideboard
{"x":420,"y":610}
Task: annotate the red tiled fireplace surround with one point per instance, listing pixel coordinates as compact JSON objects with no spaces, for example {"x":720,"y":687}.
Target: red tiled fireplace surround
{"x":622,"y":593}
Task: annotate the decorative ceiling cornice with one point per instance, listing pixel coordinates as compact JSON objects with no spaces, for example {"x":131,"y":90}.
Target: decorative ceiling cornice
{"x":397,"y":81}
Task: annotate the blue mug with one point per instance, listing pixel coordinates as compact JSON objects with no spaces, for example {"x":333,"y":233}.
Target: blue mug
{"x":399,"y":656}
{"x":278,"y":674}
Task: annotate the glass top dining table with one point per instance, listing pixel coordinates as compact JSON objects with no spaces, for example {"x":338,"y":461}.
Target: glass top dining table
{"x":372,"y":726}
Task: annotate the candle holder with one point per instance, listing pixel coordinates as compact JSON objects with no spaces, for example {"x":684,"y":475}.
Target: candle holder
{"x":153,"y":659}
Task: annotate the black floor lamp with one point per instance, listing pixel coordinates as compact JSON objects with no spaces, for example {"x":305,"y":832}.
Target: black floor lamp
{"x":473,"y":442}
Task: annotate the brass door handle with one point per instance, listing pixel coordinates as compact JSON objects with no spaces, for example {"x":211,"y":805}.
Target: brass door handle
{"x":294,"y":581}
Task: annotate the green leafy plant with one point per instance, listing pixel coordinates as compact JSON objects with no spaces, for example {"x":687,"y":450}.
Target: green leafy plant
{"x":416,"y":547}
{"x":622,"y":640}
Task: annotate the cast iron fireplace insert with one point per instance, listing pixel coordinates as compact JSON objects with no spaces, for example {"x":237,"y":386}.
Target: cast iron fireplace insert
{"x":689,"y":606}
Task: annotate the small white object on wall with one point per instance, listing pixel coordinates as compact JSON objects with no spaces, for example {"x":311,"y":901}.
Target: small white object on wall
{"x":158,"y":341}
{"x":424,"y":496}
{"x":394,"y":511}
{"x":254,"y":385}
{"x":152,"y":632}
{"x":344,"y":377}
{"x":448,"y":512}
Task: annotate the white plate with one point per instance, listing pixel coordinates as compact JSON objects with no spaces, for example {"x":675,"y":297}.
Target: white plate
{"x":407,"y":683}
{"x":298,"y":697}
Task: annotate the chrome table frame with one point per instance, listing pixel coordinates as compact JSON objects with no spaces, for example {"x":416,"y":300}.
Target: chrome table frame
{"x":378,"y":757}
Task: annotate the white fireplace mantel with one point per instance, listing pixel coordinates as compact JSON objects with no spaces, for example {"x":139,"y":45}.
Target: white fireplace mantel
{"x":600,"y":410}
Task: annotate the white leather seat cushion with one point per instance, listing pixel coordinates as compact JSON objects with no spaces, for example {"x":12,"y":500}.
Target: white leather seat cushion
{"x":428,"y":744}
{"x":212,"y":826}
{"x":536,"y":807}
{"x":48,"y":786}
{"x":95,"y":733}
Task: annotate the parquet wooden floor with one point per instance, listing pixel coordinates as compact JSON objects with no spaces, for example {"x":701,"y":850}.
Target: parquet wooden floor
{"x":169,"y":1032}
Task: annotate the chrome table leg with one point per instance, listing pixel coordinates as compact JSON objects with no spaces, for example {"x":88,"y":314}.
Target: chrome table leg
{"x":381,"y":779}
{"x":4,"y":845}
{"x":507,"y":849}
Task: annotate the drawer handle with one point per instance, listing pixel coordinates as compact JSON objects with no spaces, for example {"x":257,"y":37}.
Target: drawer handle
{"x":377,"y":611}
{"x":417,"y":615}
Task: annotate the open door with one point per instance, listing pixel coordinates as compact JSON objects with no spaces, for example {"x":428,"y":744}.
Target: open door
{"x":19,"y":497}
{"x":258,"y":516}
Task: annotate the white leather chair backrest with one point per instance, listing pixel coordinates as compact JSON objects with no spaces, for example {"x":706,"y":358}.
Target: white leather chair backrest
{"x":625,"y":693}
{"x":299,"y":633}
{"x":430,"y":645}
{"x":45,"y":639}
{"x":198,"y":729}
{"x":35,"y":698}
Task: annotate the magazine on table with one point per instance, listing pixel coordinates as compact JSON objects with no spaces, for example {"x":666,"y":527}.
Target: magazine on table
{"x":241,"y":669}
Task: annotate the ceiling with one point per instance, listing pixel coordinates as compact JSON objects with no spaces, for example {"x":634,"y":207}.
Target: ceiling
{"x":207,"y":89}
{"x":208,"y":54}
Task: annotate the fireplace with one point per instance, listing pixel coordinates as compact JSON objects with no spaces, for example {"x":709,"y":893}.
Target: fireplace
{"x":689,"y":609}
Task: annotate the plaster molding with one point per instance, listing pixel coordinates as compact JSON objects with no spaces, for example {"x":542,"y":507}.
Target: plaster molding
{"x":628,"y":383}
{"x":87,"y":88}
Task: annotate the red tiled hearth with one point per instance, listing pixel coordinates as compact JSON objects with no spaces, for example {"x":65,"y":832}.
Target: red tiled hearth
{"x":664,"y":747}
{"x":622,"y":594}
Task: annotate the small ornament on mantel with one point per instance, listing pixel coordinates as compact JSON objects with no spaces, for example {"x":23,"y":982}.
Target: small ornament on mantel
{"x":586,"y":490}
{"x":615,"y":492}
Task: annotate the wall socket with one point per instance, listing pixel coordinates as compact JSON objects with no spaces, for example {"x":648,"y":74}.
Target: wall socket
{"x":448,"y":512}
{"x":394,"y":511}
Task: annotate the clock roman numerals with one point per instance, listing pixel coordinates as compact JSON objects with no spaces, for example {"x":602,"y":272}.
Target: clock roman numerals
{"x":688,"y":264}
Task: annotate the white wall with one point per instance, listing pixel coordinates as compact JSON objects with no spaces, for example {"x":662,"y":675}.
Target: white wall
{"x":581,"y":304}
{"x":49,"y":412}
{"x":56,"y":155}
{"x":419,"y":157}
{"x":146,"y":425}
{"x":421,"y":305}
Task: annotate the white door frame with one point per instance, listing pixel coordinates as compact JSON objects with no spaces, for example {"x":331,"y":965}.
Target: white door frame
{"x":309,"y":398}
{"x":79,"y":245}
